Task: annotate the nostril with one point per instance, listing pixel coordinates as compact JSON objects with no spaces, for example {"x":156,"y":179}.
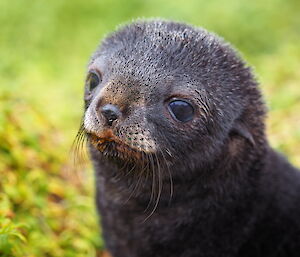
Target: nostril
{"x":110,"y":113}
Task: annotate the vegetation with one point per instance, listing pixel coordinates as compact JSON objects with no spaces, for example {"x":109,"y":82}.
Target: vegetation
{"x":46,"y":205}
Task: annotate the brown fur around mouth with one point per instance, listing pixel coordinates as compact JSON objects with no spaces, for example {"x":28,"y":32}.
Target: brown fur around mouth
{"x":112,"y":146}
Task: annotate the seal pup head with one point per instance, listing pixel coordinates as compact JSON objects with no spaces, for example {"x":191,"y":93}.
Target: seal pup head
{"x":173,"y":91}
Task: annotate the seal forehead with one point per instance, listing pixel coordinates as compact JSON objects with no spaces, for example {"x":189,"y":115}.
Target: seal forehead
{"x":155,"y":47}
{"x":156,"y":35}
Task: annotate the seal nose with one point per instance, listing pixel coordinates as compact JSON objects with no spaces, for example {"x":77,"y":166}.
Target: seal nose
{"x":110,"y":113}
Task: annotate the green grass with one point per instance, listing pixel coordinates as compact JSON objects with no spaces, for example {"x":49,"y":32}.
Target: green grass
{"x":47,"y":206}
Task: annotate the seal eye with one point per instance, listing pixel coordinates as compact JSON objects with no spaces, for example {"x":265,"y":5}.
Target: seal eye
{"x":181,"y":110}
{"x":93,"y":81}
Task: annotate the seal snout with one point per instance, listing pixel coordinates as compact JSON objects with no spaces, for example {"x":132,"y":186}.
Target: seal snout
{"x":110,"y":112}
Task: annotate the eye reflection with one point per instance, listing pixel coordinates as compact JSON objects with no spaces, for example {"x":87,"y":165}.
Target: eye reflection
{"x":181,"y":110}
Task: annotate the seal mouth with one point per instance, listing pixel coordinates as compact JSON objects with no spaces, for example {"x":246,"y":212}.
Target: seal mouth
{"x":113,"y":147}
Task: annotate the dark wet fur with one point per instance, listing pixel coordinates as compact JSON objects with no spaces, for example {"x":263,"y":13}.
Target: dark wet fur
{"x":215,"y":189}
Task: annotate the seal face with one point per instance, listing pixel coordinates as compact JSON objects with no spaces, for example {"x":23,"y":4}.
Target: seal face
{"x":151,"y":84}
{"x":175,"y":124}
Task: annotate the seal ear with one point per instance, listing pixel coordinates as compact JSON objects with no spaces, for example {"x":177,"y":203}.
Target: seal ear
{"x":241,"y":129}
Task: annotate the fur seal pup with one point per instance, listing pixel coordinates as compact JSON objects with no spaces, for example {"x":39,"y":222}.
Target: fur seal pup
{"x":175,"y":124}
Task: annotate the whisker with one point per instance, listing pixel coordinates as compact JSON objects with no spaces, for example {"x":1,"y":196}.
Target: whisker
{"x":169,"y":173}
{"x":77,"y":148}
{"x":168,"y":168}
{"x":140,"y":175}
{"x":77,"y":156}
{"x":160,"y":186}
{"x":152,"y":172}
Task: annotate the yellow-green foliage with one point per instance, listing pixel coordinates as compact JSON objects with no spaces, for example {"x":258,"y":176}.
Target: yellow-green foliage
{"x":43,"y":203}
{"x":47,"y":206}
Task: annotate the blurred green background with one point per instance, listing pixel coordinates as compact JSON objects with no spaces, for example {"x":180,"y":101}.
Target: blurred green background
{"x":46,"y":206}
